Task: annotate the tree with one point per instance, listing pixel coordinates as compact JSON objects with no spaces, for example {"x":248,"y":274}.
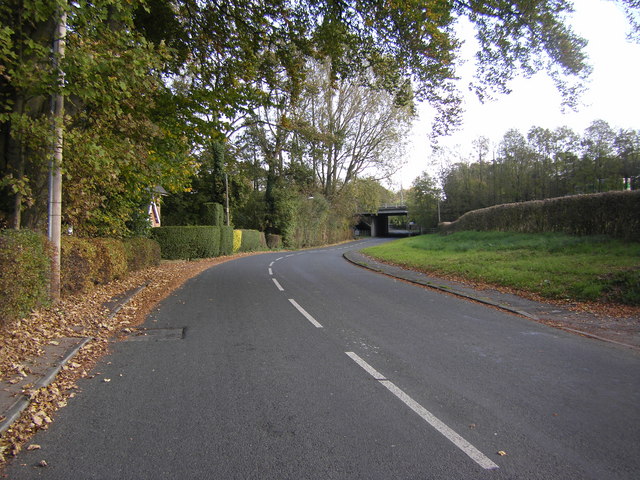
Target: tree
{"x":598,"y":156}
{"x":349,"y":127}
{"x":119,"y":144}
{"x":424,"y":198}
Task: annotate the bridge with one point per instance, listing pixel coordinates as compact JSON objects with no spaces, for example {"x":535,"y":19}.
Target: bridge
{"x":378,"y":222}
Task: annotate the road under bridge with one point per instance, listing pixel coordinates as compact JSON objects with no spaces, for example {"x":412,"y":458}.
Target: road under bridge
{"x":378,"y":222}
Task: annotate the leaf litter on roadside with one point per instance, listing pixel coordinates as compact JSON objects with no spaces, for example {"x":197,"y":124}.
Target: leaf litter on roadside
{"x":79,"y":316}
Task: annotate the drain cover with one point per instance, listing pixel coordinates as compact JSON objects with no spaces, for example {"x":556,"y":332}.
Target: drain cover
{"x":155,"y":335}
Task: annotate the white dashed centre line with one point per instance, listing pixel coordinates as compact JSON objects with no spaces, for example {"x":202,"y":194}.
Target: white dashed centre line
{"x":278,"y":284}
{"x":427,"y":416}
{"x":270,"y":271}
{"x":305,"y":313}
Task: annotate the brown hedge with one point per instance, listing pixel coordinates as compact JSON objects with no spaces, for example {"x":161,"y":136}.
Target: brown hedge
{"x":25,"y":265}
{"x":86,"y":262}
{"x":616,"y":214}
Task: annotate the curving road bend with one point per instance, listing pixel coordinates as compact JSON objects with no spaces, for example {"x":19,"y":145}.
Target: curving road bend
{"x":303,"y":366}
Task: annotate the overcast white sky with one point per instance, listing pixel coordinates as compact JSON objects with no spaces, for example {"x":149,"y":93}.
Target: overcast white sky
{"x":613,"y":95}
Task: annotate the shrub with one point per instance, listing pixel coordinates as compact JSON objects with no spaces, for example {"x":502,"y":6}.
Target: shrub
{"x":213,"y":214}
{"x":111,"y":260}
{"x":616,"y":214}
{"x":226,"y":240}
{"x":141,"y":253}
{"x":187,"y":243}
{"x":251,"y":241}
{"x":77,"y":265}
{"x":237,"y":240}
{"x":274,"y":241}
{"x":25,"y":267}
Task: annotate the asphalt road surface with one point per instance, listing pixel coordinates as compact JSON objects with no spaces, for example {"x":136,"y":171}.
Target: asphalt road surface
{"x":303,"y":366}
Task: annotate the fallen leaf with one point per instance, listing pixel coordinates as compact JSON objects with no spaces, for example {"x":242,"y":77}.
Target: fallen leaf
{"x":43,"y":463}
{"x":34,"y":446}
{"x":106,"y":380}
{"x":502,"y":453}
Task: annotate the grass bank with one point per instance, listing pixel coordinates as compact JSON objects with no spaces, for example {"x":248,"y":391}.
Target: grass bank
{"x":552,"y":265}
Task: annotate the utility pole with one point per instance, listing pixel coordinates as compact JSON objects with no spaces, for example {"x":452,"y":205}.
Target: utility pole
{"x":226,"y":194}
{"x":55,"y":173}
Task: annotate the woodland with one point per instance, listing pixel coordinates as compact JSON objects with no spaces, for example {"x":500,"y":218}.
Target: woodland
{"x":296,"y":109}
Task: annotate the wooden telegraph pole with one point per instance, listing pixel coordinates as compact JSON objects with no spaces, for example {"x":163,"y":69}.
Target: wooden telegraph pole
{"x":55,"y":174}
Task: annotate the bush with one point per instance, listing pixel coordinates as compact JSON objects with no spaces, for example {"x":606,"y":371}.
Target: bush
{"x":111,"y":260}
{"x":616,"y":214}
{"x":237,"y":240}
{"x":141,"y":253}
{"x":187,"y":243}
{"x":77,"y":265}
{"x":274,"y":241}
{"x":213,"y":214}
{"x":25,"y":267}
{"x":226,"y":240}
{"x":251,"y":241}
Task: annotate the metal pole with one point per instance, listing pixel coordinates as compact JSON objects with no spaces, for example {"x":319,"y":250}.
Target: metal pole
{"x":226,"y":188}
{"x":55,"y":175}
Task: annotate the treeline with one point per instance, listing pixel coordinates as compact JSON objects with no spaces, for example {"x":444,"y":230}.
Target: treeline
{"x":543,"y":164}
{"x":285,"y":100}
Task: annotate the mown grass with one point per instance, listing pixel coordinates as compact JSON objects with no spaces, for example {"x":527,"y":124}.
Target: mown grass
{"x":552,"y":265}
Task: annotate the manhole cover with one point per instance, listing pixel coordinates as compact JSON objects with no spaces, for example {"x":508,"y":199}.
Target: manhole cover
{"x":155,"y":335}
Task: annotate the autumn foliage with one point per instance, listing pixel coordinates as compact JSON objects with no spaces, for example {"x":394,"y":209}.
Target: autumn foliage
{"x":24,"y":273}
{"x":25,"y":266}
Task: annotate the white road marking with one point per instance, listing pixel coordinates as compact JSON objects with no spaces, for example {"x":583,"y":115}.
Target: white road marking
{"x":290,"y":255}
{"x":305,"y":313}
{"x":368,"y":368}
{"x":270,"y":271}
{"x":427,"y":416}
{"x":279,"y":258}
{"x":271,"y":264}
{"x":278,"y":284}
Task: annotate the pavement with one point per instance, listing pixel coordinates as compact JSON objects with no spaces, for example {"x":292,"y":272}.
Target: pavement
{"x":41,"y":371}
{"x":620,"y":331}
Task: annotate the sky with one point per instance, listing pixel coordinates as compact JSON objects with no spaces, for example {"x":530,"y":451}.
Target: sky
{"x":613,"y":94}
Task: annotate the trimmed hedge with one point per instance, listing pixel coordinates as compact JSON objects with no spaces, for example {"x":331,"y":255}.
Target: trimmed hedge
{"x":141,"y":253}
{"x":213,"y":214}
{"x":252,"y":240}
{"x":226,"y":240}
{"x":616,"y":214}
{"x":78,"y":268}
{"x":237,"y":240}
{"x":25,"y":266}
{"x":85,"y":262}
{"x":186,"y":243}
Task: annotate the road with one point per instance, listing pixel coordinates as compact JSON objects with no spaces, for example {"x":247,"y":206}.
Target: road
{"x":303,"y":366}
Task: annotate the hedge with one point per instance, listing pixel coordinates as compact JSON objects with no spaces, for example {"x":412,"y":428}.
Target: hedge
{"x":226,"y":240}
{"x":187,"y":243}
{"x":78,"y":265}
{"x":213,"y":214}
{"x":85,"y":262}
{"x":616,"y":214}
{"x":141,"y":253}
{"x":25,"y":266}
{"x":237,"y":240}
{"x":274,"y":241}
{"x":252,"y":240}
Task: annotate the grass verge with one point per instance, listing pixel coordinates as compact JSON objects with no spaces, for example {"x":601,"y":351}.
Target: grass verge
{"x":552,"y":265}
